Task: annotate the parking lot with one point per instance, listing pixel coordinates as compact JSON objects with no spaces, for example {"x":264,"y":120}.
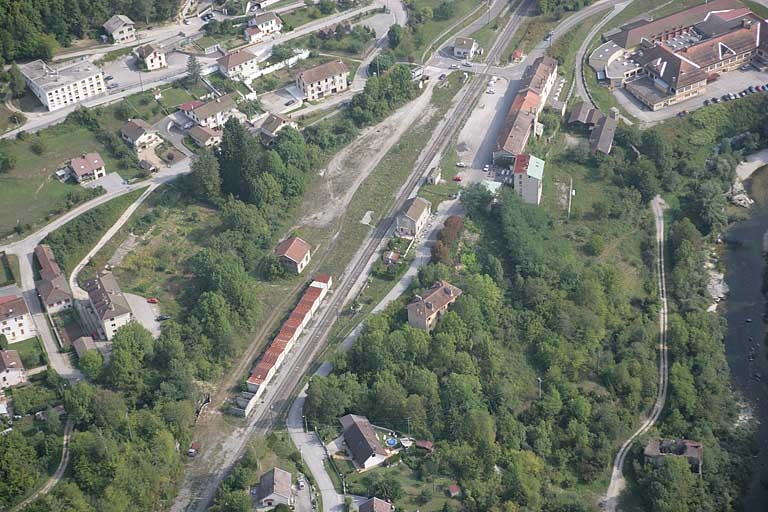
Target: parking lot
{"x":730,"y":82}
{"x":477,"y":137}
{"x":277,"y":101}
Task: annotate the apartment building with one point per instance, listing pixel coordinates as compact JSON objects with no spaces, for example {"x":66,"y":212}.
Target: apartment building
{"x":323,"y":80}
{"x":108,"y":303}
{"x":61,"y":86}
{"x":239,"y":65}
{"x":120,"y":28}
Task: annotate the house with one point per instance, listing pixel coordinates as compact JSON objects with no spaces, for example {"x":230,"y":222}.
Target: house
{"x":151,"y":57}
{"x":15,"y":319}
{"x":454,"y":491}
{"x":120,"y":28}
{"x":108,"y":303}
{"x":82,"y":345}
{"x":375,"y":505}
{"x":63,"y":85}
{"x":12,"y":372}
{"x":274,"y":123}
{"x":656,"y":449}
{"x":517,"y":128}
{"x":139,"y":134}
{"x":540,"y":77}
{"x":323,"y":80}
{"x":362,"y":443}
{"x":205,"y":137}
{"x":414,"y":217}
{"x":464,"y":48}
{"x":240,"y":65}
{"x":601,"y":138}
{"x":52,"y":287}
{"x":584,"y":114}
{"x":294,"y":253}
{"x":528,"y":175}
{"x":427,"y":446}
{"x":214,"y":114}
{"x":390,"y":257}
{"x":518,"y":56}
{"x":274,"y":488}
{"x":424,"y":310}
{"x":267,"y":23}
{"x":88,"y":167}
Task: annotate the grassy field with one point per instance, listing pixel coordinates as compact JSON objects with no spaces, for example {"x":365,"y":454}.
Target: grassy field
{"x":9,"y":269}
{"x":759,"y":9}
{"x":31,"y":353}
{"x":6,"y":119}
{"x":530,"y":33}
{"x":564,"y":49}
{"x":299,"y":17}
{"x":488,"y":33}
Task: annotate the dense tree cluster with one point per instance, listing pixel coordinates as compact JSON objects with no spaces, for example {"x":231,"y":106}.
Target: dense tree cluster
{"x":559,"y":6}
{"x":34,"y":29}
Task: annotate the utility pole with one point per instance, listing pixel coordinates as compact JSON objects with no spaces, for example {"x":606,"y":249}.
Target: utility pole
{"x":305,"y":422}
{"x":539,"y":379}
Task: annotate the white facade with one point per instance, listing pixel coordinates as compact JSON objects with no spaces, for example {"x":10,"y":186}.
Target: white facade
{"x":324,"y":80}
{"x":155,"y":60}
{"x":245,"y":71}
{"x":12,"y":372}
{"x":464,"y":48}
{"x":528,"y":178}
{"x":120,"y":28}
{"x":16,"y":324}
{"x":60,"y":87}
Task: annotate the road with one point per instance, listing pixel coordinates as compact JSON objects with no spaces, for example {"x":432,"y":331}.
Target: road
{"x":51,"y":483}
{"x":617,"y":476}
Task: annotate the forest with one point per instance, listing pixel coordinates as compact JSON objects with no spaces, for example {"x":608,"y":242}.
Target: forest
{"x":542,"y":300}
{"x":34,"y":29}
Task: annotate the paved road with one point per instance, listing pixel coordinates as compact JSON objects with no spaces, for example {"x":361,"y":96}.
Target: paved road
{"x":617,"y":476}
{"x":51,"y":483}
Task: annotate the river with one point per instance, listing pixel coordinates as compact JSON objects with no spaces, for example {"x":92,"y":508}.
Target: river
{"x":747,"y":359}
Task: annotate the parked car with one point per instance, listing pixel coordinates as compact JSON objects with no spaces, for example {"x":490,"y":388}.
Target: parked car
{"x":715,"y":100}
{"x":751,"y":89}
{"x":732,"y":96}
{"x":163,"y":318}
{"x":113,"y":85}
{"x":487,"y":167}
{"x":466,"y":64}
{"x":108,"y":77}
{"x":490,"y":91}
{"x":289,"y":103}
{"x":460,"y":164}
{"x":454,"y":66}
{"x":153,"y":300}
{"x":457,"y":178}
{"x":725,"y":97}
{"x":441,"y":77}
{"x":706,"y":103}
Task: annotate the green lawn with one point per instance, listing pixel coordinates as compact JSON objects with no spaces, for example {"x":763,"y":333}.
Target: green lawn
{"x":759,"y":9}
{"x":486,"y":35}
{"x":564,"y":48}
{"x":174,"y":96}
{"x":530,"y":33}
{"x":9,"y":269}
{"x":299,"y":17}
{"x":31,"y":352}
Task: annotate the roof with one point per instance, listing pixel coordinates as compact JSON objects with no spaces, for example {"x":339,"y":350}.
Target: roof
{"x":682,"y":447}
{"x":146,"y":50}
{"x":202,"y":134}
{"x":48,"y":77}
{"x":53,"y":289}
{"x":313,"y":293}
{"x":464,"y":43}
{"x":135,"y":128}
{"x":454,"y":489}
{"x":116,"y":22}
{"x":632,"y":34}
{"x":375,"y":505}
{"x":537,"y":74}
{"x":107,"y":298}
{"x":12,"y":306}
{"x":724,"y":46}
{"x":519,"y":122}
{"x":86,"y":164}
{"x":601,"y":138}
{"x":580,"y":113}
{"x":251,"y":31}
{"x":322,"y":278}
{"x":234,"y":59}
{"x":416,"y":207}
{"x":274,"y":123}
{"x":294,"y":249}
{"x":360,"y":438}
{"x":10,"y":360}
{"x":222,"y":104}
{"x":275,"y":481}
{"x":265,"y":17}
{"x":424,"y":445}
{"x":674,"y":69}
{"x":49,"y":268}
{"x":83,"y":344}
{"x":529,"y":165}
{"x":434,"y":299}
{"x":190,"y":105}
{"x":323,"y":71}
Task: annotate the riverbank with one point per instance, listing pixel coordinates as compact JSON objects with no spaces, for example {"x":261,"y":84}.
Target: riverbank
{"x":745,"y":352}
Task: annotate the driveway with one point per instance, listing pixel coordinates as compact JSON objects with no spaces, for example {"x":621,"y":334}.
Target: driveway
{"x":112,"y":182}
{"x":144,"y":313}
{"x":474,"y":146}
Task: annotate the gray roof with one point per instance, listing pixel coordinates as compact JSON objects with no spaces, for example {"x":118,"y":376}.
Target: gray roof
{"x":274,"y":123}
{"x":82,"y":345}
{"x":52,"y":77}
{"x":416,"y":207}
{"x":10,"y":360}
{"x":147,"y":50}
{"x":116,"y":22}
{"x":106,"y":296}
{"x":323,"y":71}
{"x":223,"y":104}
{"x":360,"y":438}
{"x":135,"y":128}
{"x":464,"y":43}
{"x":601,"y":138}
{"x":275,"y":481}
{"x":264,"y":18}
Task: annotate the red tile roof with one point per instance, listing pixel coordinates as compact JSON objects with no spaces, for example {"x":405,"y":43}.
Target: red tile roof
{"x":323,"y":278}
{"x":294,"y":248}
{"x":190,"y":106}
{"x":86,"y":164}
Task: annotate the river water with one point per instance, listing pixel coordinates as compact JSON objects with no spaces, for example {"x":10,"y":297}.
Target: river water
{"x":744,"y":267}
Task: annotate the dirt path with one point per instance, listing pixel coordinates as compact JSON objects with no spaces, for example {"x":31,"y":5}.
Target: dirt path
{"x":353,"y":164}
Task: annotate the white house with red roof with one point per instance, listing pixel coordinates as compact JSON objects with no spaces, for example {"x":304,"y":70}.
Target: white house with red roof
{"x":528,"y":176}
{"x":88,"y":167}
{"x":294,"y":253}
{"x":15,"y":320}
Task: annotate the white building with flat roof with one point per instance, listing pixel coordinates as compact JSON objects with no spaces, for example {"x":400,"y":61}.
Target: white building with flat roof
{"x":58,"y":87}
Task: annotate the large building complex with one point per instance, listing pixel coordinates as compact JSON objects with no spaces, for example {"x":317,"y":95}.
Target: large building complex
{"x":60,"y":86}
{"x":663,"y":62}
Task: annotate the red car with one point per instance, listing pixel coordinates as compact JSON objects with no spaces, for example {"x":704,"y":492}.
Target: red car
{"x":457,"y":178}
{"x":153,"y":300}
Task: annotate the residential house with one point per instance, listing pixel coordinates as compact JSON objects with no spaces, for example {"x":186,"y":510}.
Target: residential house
{"x":205,"y":137}
{"x":53,"y":287}
{"x":656,"y":449}
{"x":108,"y":303}
{"x":601,"y":138}
{"x":275,"y":487}
{"x":323,"y":80}
{"x":88,"y":167}
{"x":261,"y":26}
{"x":528,"y":176}
{"x":15,"y":319}
{"x":464,"y":48}
{"x":273,"y":124}
{"x":414,"y":217}
{"x":454,"y":491}
{"x":12,"y":372}
{"x":140,"y":134}
{"x":82,"y":345}
{"x":375,"y":505}
{"x":214,"y":114}
{"x":426,"y":309}
{"x":240,"y":65}
{"x":584,"y":114}
{"x":120,"y":28}
{"x":540,"y":77}
{"x":362,"y":443}
{"x":151,"y":57}
{"x":63,"y":85}
{"x":294,"y":253}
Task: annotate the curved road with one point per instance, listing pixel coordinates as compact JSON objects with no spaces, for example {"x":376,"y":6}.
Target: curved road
{"x":46,"y":488}
{"x":617,"y":476}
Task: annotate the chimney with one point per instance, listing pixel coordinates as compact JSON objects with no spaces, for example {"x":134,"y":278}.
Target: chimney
{"x":429,"y":306}
{"x":448,"y":290}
